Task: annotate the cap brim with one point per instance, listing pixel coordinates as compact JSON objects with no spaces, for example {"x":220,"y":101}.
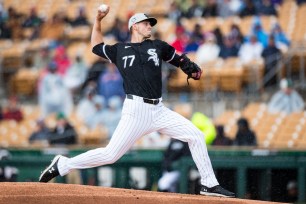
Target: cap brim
{"x":152,"y":21}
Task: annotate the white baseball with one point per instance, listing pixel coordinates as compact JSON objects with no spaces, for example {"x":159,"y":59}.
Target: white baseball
{"x":103,"y":7}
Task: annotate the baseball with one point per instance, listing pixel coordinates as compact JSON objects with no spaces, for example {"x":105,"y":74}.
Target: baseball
{"x":103,"y":7}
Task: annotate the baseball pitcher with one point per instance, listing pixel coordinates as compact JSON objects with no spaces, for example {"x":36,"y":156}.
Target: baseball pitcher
{"x":139,"y":63}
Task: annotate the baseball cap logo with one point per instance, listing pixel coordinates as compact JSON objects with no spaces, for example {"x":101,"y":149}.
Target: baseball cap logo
{"x":134,"y":20}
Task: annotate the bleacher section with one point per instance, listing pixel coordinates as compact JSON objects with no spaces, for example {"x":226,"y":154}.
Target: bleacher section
{"x":17,"y":134}
{"x":222,"y":75}
{"x":272,"y":130}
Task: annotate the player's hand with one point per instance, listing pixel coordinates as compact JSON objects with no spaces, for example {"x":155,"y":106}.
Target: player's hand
{"x":196,"y":75}
{"x":101,"y":15}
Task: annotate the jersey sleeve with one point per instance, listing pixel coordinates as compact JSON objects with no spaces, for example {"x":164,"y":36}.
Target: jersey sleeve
{"x":108,"y":52}
{"x":168,"y":52}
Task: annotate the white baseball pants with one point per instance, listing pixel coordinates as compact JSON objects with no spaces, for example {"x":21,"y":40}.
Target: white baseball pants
{"x":138,"y":119}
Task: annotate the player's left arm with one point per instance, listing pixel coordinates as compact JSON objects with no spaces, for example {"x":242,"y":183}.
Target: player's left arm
{"x":191,"y":69}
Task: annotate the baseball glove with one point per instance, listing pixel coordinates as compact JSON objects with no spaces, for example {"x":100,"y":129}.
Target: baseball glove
{"x":190,"y":68}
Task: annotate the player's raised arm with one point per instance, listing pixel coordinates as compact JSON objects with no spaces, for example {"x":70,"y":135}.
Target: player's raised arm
{"x":96,"y":35}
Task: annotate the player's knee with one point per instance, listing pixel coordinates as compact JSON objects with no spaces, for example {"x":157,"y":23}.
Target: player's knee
{"x":196,"y":137}
{"x":112,"y":157}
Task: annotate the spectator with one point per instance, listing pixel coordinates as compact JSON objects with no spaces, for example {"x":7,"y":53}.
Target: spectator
{"x":281,"y":40}
{"x":197,"y":33}
{"x":76,"y":74}
{"x":13,"y":24}
{"x":267,"y":8}
{"x":12,"y":111}
{"x":33,"y":20}
{"x":86,"y":107}
{"x":53,"y":95}
{"x":119,"y":31}
{"x":180,"y":41}
{"x":203,"y":123}
{"x":110,"y":83}
{"x":249,"y":9}
{"x":98,"y":117}
{"x":169,"y":180}
{"x":245,"y":136}
{"x":96,"y":70}
{"x":219,"y":36}
{"x":226,"y":8}
{"x":210,"y":9}
{"x":123,"y":33}
{"x":8,"y":174}
{"x":221,"y":139}
{"x":236,"y":34}
{"x":192,"y":45}
{"x":175,"y":13}
{"x":286,"y":100}
{"x":112,"y":114}
{"x":250,"y":51}
{"x":3,"y":13}
{"x":271,"y":55}
{"x":41,"y":133}
{"x":81,"y":18}
{"x":228,"y":49}
{"x":61,"y":59}
{"x":292,"y":192}
{"x":195,"y":10}
{"x":5,"y":31}
{"x":42,"y":58}
{"x":208,"y":51}
{"x":258,"y":31}
{"x":196,"y":38}
{"x":63,"y":133}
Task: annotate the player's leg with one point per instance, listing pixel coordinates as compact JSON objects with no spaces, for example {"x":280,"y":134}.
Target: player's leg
{"x":129,"y":129}
{"x":178,"y":127}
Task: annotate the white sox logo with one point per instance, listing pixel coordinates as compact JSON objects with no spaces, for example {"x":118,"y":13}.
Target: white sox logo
{"x":153,"y":56}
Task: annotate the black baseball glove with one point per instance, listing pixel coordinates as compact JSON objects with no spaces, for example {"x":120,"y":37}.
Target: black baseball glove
{"x":190,"y":68}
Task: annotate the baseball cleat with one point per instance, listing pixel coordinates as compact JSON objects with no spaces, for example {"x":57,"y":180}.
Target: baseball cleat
{"x":51,"y":171}
{"x":216,"y":191}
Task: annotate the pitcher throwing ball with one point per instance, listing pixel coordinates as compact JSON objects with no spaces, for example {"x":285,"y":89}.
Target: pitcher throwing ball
{"x":139,"y":63}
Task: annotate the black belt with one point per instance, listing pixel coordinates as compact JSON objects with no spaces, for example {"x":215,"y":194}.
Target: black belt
{"x":145,"y":100}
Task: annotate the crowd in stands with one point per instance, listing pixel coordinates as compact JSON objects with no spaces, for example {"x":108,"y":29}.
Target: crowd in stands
{"x":94,"y":91}
{"x":286,"y":100}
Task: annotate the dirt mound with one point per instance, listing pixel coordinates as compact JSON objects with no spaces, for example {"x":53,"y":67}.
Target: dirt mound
{"x":68,"y":193}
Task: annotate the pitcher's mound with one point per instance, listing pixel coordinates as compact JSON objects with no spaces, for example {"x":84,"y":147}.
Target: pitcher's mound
{"x":68,"y":193}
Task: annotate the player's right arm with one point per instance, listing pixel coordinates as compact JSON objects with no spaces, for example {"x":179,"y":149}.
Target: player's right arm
{"x":96,"y":34}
